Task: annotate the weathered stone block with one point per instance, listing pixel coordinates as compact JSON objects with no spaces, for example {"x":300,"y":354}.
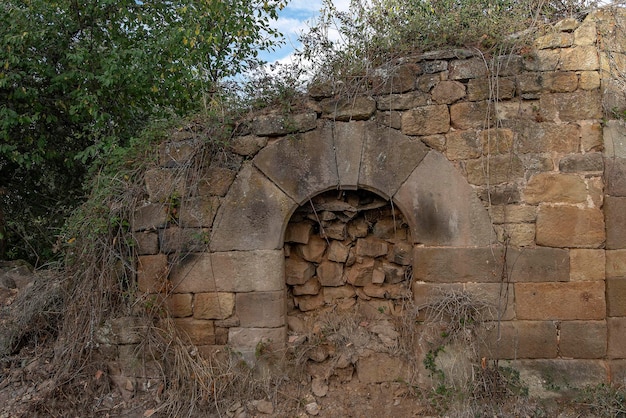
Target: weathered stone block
{"x":559,"y":82}
{"x":179,"y":305}
{"x":576,"y":163}
{"x":214,"y":305}
{"x":193,"y":274}
{"x":538,"y":265}
{"x":281,"y":124}
{"x":349,"y":138}
{"x":555,"y":188}
{"x":340,"y":292}
{"x":614,"y":134}
{"x":589,"y":80}
{"x":311,"y":287}
{"x":183,"y":240}
{"x":496,"y":141}
{"x":196,"y":331}
{"x":448,"y":265}
{"x":554,"y":40}
{"x":516,"y":110}
{"x":494,"y":169}
{"x":381,"y":367}
{"x":261,"y":309}
{"x":162,"y":183}
{"x":543,"y":60}
{"x":617,"y":372}
{"x":334,"y":231}
{"x":426,"y":120}
{"x":470,"y":115}
{"x":566,"y":107}
{"x":371,"y":247}
{"x":392,"y":119}
{"x":517,"y":235}
{"x":499,"y":297}
{"x":586,"y":33}
{"x":485,"y":89}
{"x":586,"y":265}
{"x":615,"y":213}
{"x":446,"y":92}
{"x":570,"y":226}
{"x":253,"y":213}
{"x":583,"y":339}
{"x":401,"y":253}
{"x":147,"y":242}
{"x":298,"y":271}
{"x":616,"y":296}
{"x":462,"y":145}
{"x":500,"y":194}
{"x":314,"y":250}
{"x":176,"y":153}
{"x":249,"y":271}
{"x":387,"y":159}
{"x":150,"y":217}
{"x":467,"y":68}
{"x":152,"y":273}
{"x":616,"y":263}
{"x":530,"y":82}
{"x":299,"y":232}
{"x":560,"y":301}
{"x":216,"y":181}
{"x":360,"y":273}
{"x":198,"y":212}
{"x":521,"y":339}
{"x":512,"y":213}
{"x":617,"y":338}
{"x":249,"y":338}
{"x":543,"y":137}
{"x":356,"y":108}
{"x":580,"y":58}
{"x":393,"y":272}
{"x":309,"y":303}
{"x":248,"y":145}
{"x":615,"y":176}
{"x":432,"y":206}
{"x":331,"y":274}
{"x":398,"y":79}
{"x":403,"y":101}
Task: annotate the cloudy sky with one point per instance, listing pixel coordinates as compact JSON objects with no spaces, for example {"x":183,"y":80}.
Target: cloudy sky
{"x":294,"y":20}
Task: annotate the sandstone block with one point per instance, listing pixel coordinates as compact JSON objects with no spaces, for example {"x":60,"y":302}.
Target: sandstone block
{"x":176,"y":153}
{"x":467,"y":68}
{"x":261,"y":309}
{"x":448,"y":265}
{"x":589,"y":80}
{"x":450,"y":215}
{"x":516,"y":110}
{"x":381,"y":367}
{"x":162,"y":183}
{"x":426,"y":120}
{"x":298,"y":271}
{"x":446,"y":92}
{"x":299,"y":232}
{"x":614,"y":134}
{"x":331,"y":274}
{"x":484,"y":89}
{"x":615,"y":213}
{"x":357,"y":108}
{"x":500,"y":194}
{"x":401,"y":253}
{"x":193,"y":274}
{"x":462,"y":145}
{"x":566,"y":107}
{"x":393,"y":272}
{"x":583,"y":339}
{"x":392,"y":119}
{"x":196,"y":331}
{"x":249,"y":338}
{"x":591,"y":137}
{"x":179,"y":305}
{"x":147,"y":243}
{"x":214,"y":305}
{"x":496,"y":141}
{"x":521,"y":339}
{"x":360,"y":273}
{"x":570,"y":226}
{"x":183,"y":240}
{"x":586,"y":265}
{"x":538,"y":265}
{"x":530,"y":82}
{"x":470,"y":115}
{"x":152,"y":273}
{"x":554,"y":40}
{"x":615,"y":176}
{"x":543,"y":137}
{"x":398,"y":79}
{"x":334,"y":231}
{"x":281,"y":124}
{"x":311,"y":287}
{"x":498,"y":297}
{"x":371,"y":247}
{"x":560,"y":301}
{"x":198,"y":212}
{"x":349,"y":138}
{"x":337,"y":252}
{"x":555,"y":188}
{"x":616,"y":296}
{"x":252,"y":215}
{"x":616,"y":263}
{"x":494,"y":169}
{"x":403,"y":101}
{"x":389,"y":229}
{"x":432,"y":67}
{"x":512,"y":213}
{"x":249,"y":271}
{"x":216,"y":181}
{"x":575,"y":163}
{"x":517,"y":235}
{"x":617,"y":372}
{"x":617,"y":338}
{"x":580,"y":58}
{"x":248,"y":145}
{"x":314,"y":250}
{"x":543,"y":60}
{"x":559,"y":82}
{"x":150,"y":217}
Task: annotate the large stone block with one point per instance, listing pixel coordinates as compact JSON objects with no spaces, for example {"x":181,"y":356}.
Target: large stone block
{"x":193,"y":274}
{"x":615,"y":213}
{"x":301,"y":166}
{"x":615,"y":176}
{"x":261,"y":309}
{"x":152,"y":273}
{"x":616,"y":263}
{"x":560,"y":301}
{"x":449,"y":265}
{"x":617,"y":337}
{"x":583,"y":339}
{"x":248,"y":145}
{"x":462,"y":145}
{"x":499,"y":297}
{"x":147,"y":243}
{"x":580,"y":58}
{"x":570,"y":226}
{"x":298,"y":271}
{"x":177,"y":153}
{"x":543,"y":60}
{"x":443,"y":209}
{"x":387,"y":159}
{"x":494,"y":169}
{"x":576,"y":163}
{"x":403,"y":101}
{"x":281,"y":124}
{"x":555,"y":188}
{"x":179,"y":305}
{"x":512,"y":213}
{"x":330,"y":274}
{"x":446,"y":92}
{"x":216,"y":181}
{"x":534,"y":137}
{"x":347,"y":109}
{"x":252,"y":215}
{"x":467,"y":68}
{"x":426,"y":120}
{"x":614,"y":134}
{"x":554,"y":40}
{"x":163,"y":183}
{"x":196,"y":331}
{"x":501,"y":88}
{"x":616,"y":296}
{"x":589,"y":80}
{"x":314,"y":250}
{"x":471,"y":115}
{"x":299,"y":232}
{"x":520,"y":340}
{"x":587,"y":265}
{"x":183,"y":240}
{"x":571,"y":107}
{"x":397,"y":79}
{"x":249,"y":271}
{"x":198,"y":212}
{"x":214,"y":305}
{"x":538,"y":265}
{"x":150,"y":217}
{"x":559,"y":82}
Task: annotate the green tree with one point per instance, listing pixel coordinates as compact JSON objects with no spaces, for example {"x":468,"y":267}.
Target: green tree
{"x":79,"y":78}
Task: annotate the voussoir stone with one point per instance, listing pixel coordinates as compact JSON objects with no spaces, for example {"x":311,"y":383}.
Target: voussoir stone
{"x":252,"y":215}
{"x":570,"y":226}
{"x":348,"y":140}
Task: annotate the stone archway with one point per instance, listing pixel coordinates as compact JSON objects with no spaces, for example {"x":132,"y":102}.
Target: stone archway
{"x":440,"y":207}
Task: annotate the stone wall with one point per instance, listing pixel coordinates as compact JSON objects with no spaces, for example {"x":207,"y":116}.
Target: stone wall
{"x":504,"y":172}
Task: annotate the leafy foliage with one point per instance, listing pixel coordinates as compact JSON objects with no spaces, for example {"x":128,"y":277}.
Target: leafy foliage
{"x":80,"y":78}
